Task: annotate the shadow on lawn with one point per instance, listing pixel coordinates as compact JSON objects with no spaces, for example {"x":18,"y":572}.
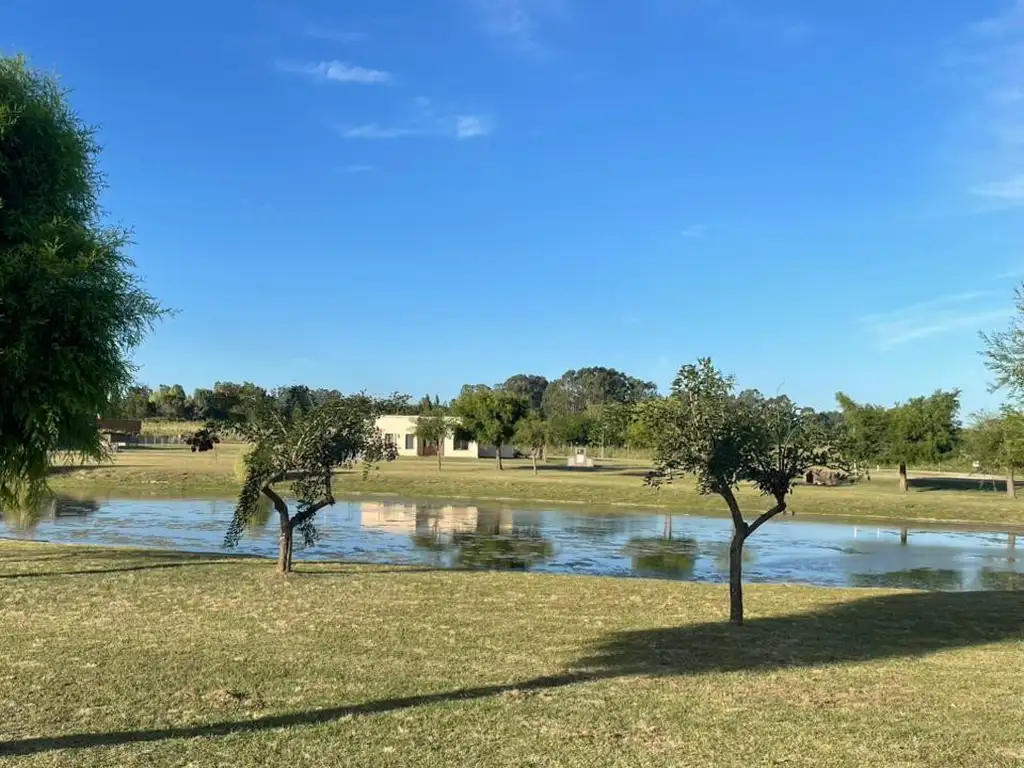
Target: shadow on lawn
{"x":90,"y":562}
{"x":973,"y":484}
{"x":889,"y":626}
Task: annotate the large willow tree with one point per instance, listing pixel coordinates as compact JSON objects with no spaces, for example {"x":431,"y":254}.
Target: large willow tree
{"x":71,"y":309}
{"x":304,"y":450}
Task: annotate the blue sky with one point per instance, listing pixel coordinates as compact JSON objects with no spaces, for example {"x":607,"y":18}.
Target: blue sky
{"x":414,"y":195}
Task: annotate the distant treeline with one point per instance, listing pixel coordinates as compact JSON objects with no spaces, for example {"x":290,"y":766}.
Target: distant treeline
{"x":595,"y":406}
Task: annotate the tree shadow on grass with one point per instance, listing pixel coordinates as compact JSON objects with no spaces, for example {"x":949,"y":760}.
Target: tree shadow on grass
{"x":888,"y":626}
{"x":88,"y":562}
{"x":971,"y":484}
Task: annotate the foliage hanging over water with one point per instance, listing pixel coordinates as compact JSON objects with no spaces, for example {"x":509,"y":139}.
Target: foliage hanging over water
{"x":305,"y":451}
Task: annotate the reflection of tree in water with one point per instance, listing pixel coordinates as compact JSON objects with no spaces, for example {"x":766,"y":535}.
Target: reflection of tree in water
{"x":665,"y":557}
{"x":25,"y":517}
{"x":719,"y":552}
{"x":260,"y":519}
{"x":427,"y":534}
{"x":933,"y":579}
{"x":486,"y":546}
{"x":1001,"y":581}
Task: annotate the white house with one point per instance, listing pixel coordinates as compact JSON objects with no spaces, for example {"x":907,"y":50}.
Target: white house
{"x":401,"y":431}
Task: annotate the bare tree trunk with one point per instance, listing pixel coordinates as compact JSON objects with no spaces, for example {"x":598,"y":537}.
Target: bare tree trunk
{"x":440,"y":451}
{"x":736,"y":577}
{"x":904,"y":483}
{"x":497,"y":453}
{"x":1011,"y":483}
{"x":535,"y":462}
{"x":284,"y":548}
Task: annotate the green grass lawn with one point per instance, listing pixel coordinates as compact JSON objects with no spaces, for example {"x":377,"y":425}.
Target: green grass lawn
{"x":178,"y":472}
{"x":122,"y":658}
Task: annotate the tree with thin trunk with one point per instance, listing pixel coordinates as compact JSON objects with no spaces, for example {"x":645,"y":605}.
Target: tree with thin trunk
{"x":434,"y":425}
{"x":532,"y":436}
{"x":996,"y":441}
{"x":305,"y":451}
{"x":490,"y":415}
{"x":703,"y":428}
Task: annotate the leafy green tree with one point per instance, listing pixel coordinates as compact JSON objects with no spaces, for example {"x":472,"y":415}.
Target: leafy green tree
{"x":71,"y":309}
{"x":997,"y":442}
{"x":490,"y":415}
{"x":293,"y":401}
{"x":529,"y":386}
{"x":572,"y":429}
{"x":1004,"y":352}
{"x":306,"y":452}
{"x":703,"y":428}
{"x":133,"y":404}
{"x":170,"y":402}
{"x":579,"y":390}
{"x":610,"y":424}
{"x":532,"y":436}
{"x":204,"y":405}
{"x":435,"y":426}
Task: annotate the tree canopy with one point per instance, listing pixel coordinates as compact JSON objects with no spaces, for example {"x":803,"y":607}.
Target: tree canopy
{"x":305,"y":451}
{"x":578,"y":390}
{"x":71,"y":308}
{"x":722,"y":439}
{"x":490,"y":415}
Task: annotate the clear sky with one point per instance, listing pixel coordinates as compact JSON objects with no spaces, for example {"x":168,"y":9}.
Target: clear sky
{"x":414,"y":194}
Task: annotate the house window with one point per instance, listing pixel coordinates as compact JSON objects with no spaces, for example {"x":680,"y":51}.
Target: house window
{"x":410,"y":442}
{"x":391,"y":440}
{"x":460,"y":444}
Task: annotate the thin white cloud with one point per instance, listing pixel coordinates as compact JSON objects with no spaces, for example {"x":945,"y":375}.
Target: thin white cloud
{"x":425,"y":121}
{"x":339,"y":72}
{"x":471,"y":126}
{"x":938,"y":316}
{"x":989,"y":66}
{"x":518,"y":22}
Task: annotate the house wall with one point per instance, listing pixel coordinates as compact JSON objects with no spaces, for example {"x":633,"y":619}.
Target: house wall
{"x":402,"y":430}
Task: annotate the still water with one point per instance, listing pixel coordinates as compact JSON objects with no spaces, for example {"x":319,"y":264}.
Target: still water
{"x":686,"y":547}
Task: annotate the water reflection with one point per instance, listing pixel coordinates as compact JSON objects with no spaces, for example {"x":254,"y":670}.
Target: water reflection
{"x":25,"y":518}
{"x":934,"y":579}
{"x":613,"y":542}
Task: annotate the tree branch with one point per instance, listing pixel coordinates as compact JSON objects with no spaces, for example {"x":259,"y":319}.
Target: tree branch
{"x":734,"y":509}
{"x":777,"y":509}
{"x":309,"y":512}
{"x":279,"y":503}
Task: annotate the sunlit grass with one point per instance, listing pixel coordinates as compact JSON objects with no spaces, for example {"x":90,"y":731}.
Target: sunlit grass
{"x":121,"y":658}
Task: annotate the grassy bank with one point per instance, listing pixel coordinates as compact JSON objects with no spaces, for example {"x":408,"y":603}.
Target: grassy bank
{"x":178,"y":472}
{"x":120,"y":658}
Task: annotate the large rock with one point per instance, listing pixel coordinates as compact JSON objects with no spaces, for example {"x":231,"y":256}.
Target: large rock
{"x":829,"y":477}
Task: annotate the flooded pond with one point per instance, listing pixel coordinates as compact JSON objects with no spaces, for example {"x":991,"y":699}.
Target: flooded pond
{"x":647,"y":544}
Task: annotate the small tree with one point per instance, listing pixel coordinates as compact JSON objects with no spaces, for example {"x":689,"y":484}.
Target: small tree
{"x":490,"y":415}
{"x":704,"y":429}
{"x":435,"y":426}
{"x":997,"y":442}
{"x":305,"y":451}
{"x":532,"y":435}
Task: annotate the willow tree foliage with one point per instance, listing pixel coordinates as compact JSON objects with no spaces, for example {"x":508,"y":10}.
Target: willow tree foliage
{"x":304,"y":451}
{"x":703,"y":428}
{"x":71,"y":309}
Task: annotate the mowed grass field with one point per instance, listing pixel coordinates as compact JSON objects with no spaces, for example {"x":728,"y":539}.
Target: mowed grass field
{"x":124,"y":658}
{"x":175,"y":471}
